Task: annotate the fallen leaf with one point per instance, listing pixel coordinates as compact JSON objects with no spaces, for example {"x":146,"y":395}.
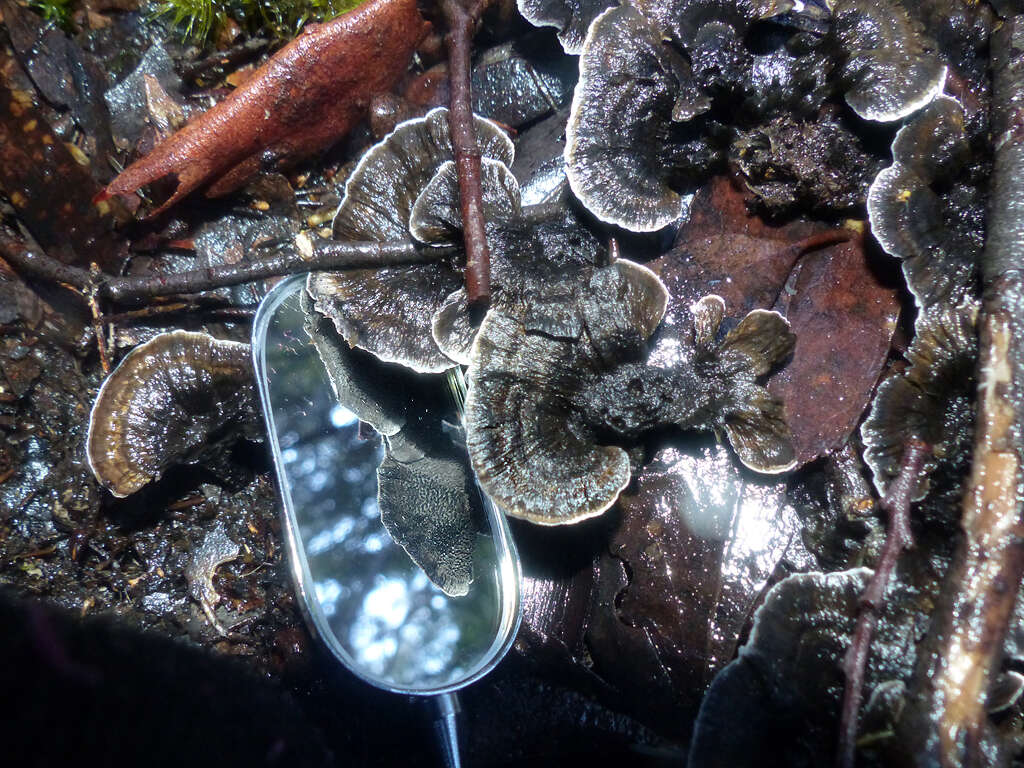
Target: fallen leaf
{"x":725,"y":249}
{"x":844,"y":317}
{"x":306,"y":97}
{"x":670,"y":586}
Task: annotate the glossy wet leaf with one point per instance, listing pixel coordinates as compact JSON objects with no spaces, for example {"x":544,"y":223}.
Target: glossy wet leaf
{"x":843,"y":316}
{"x":49,"y":188}
{"x":669,"y":583}
{"x":726,"y":249}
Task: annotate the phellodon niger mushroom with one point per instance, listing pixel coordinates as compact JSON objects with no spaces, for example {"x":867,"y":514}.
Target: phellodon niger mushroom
{"x":911,"y":208}
{"x":543,"y":413}
{"x":169,"y":401}
{"x":405,"y":187}
{"x":425,"y":492}
{"x":388,"y":311}
{"x":645,"y":123}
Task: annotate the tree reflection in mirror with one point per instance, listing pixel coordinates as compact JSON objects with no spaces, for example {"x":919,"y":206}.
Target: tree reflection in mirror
{"x":426,"y":600}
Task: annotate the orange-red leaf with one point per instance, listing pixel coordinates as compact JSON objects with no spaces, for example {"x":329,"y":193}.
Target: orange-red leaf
{"x":305,"y":98}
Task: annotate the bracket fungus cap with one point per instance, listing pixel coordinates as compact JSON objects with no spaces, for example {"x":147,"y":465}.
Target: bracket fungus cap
{"x":530,"y":447}
{"x":538,"y":259}
{"x":754,"y":421}
{"x":165,"y":402}
{"x":384,"y":185}
{"x":388,"y":311}
{"x":621,"y":113}
{"x":931,"y":401}
{"x":425,"y":490}
{"x":426,"y":505}
{"x":890,"y":70}
{"x":908,"y":215}
{"x":571,"y":18}
{"x":355,"y":386}
{"x":436,"y":216}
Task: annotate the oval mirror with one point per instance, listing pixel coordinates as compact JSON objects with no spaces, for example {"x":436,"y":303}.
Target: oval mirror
{"x":336,"y":420}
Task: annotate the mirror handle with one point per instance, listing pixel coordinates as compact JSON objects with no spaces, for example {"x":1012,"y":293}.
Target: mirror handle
{"x":445,"y":725}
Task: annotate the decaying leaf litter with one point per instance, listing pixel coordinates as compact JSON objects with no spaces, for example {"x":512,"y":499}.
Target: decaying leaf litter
{"x":725,"y":141}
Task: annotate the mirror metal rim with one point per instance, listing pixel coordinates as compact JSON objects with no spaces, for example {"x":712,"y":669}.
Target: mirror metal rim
{"x":509,"y":564}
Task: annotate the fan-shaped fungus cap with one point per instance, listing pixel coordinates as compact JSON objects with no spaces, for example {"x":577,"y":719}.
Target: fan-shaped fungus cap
{"x":754,"y":420}
{"x":436,"y":216}
{"x":539,"y":405}
{"x":910,"y":218}
{"x":388,"y":311}
{"x":426,"y":494}
{"x":571,"y":18}
{"x":931,"y":402}
{"x":781,"y":695}
{"x":383,"y":187}
{"x":890,"y":70}
{"x":616,"y":155}
{"x":536,"y":264}
{"x":531,"y":450}
{"x":359,"y":388}
{"x":167,"y":400}
{"x":425,"y":490}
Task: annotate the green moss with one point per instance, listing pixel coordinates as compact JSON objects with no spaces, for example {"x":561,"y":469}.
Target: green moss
{"x":283,"y":19}
{"x":56,"y":11}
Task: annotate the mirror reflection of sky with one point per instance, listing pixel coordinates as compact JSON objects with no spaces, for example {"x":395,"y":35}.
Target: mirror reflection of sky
{"x":384,"y":617}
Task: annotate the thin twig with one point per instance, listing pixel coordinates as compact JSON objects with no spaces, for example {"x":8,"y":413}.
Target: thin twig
{"x":97,"y":324}
{"x":324,"y":255}
{"x":461,"y":22}
{"x":184,"y":307}
{"x":896,"y":503}
{"x":247,"y":49}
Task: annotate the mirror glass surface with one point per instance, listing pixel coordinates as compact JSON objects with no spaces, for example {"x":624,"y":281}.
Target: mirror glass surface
{"x":372,"y":605}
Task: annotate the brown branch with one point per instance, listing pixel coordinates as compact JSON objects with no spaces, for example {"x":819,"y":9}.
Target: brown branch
{"x":896,"y":503}
{"x":461,"y":22}
{"x":323,"y":255}
{"x":945,"y":722}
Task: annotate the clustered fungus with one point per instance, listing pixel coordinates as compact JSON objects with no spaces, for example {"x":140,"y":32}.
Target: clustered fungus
{"x":544,"y":413}
{"x":664,"y":87}
{"x":168,"y":401}
{"x":561,"y":380}
{"x":389,"y":311}
{"x":427,"y":499}
{"x":406,"y":187}
{"x":927,"y":210}
{"x":924,"y":212}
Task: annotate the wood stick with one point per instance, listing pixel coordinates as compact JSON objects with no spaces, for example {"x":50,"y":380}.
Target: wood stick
{"x":461,"y":22}
{"x":947,"y":723}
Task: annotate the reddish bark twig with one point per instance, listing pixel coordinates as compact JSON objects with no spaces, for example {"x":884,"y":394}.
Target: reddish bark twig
{"x":898,"y":497}
{"x":461,"y":22}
